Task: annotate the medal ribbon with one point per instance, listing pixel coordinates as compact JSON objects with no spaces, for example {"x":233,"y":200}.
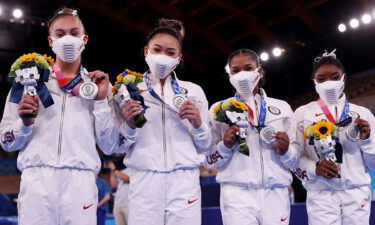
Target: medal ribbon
{"x":344,"y":118}
{"x":262,"y":113}
{"x":67,"y":84}
{"x":174,"y":84}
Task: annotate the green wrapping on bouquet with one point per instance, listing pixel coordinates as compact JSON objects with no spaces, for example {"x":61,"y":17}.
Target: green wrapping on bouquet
{"x":140,"y":120}
{"x":242,"y":146}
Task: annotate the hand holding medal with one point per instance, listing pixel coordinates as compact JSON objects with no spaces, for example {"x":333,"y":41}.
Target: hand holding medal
{"x":281,"y":143}
{"x":95,"y":87}
{"x":364,"y":128}
{"x":189,"y":111}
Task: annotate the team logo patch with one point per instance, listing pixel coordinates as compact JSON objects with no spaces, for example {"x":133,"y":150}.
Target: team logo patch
{"x":274,"y":110}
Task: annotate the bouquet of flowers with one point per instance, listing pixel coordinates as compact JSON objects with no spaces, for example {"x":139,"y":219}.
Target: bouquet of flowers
{"x":30,"y":71}
{"x":320,"y":135}
{"x":126,"y":88}
{"x":235,"y":112}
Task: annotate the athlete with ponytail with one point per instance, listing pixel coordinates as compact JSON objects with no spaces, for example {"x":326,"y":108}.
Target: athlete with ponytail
{"x":58,"y":156}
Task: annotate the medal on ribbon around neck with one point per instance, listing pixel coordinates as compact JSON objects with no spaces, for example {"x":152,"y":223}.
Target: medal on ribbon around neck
{"x":180,"y":94}
{"x":352,"y":131}
{"x":179,"y":100}
{"x":88,"y":90}
{"x":267,"y":134}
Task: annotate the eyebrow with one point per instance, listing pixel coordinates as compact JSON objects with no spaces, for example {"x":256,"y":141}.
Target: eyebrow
{"x":62,"y":30}
{"x":336,"y":72}
{"x":162,"y":47}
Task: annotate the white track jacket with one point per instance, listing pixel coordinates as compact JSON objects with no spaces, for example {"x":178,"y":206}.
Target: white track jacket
{"x":166,"y":143}
{"x":264,"y":168}
{"x":63,"y":135}
{"x":357,"y":156}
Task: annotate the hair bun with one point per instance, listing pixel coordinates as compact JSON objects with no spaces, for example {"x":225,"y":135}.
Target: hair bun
{"x":172,"y":24}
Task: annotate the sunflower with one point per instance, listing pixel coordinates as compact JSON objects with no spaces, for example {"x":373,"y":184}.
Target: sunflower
{"x":134,"y":73}
{"x":49,"y":59}
{"x":323,"y":128}
{"x":238,"y":105}
{"x":119,"y":79}
{"x":114,"y":90}
{"x":217,"y":108}
{"x":28,"y":57}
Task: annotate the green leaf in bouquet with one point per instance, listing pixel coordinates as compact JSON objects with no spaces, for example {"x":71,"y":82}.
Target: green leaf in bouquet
{"x":12,"y":74}
{"x":40,"y":61}
{"x":118,"y":85}
{"x":140,"y":120}
{"x":243,"y":148}
{"x":137,"y":81}
{"x":129,"y":78}
{"x":226,"y":105}
{"x":15,"y":66}
{"x":32,"y":115}
{"x":220,"y":115}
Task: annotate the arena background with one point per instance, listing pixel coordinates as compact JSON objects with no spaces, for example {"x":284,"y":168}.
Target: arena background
{"x":300,"y":29}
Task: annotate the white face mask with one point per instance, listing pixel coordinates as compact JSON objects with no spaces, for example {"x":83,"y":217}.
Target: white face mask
{"x":330,"y":90}
{"x":68,"y":48}
{"x":245,"y":82}
{"x":161,"y":65}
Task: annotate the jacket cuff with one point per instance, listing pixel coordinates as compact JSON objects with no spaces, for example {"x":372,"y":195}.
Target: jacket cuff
{"x":366,"y":145}
{"x":200,"y":130}
{"x":288,"y":155}
{"x":311,"y":171}
{"x":101,"y":105}
{"x":128,"y":131}
{"x":26,"y":130}
{"x":224,"y":150}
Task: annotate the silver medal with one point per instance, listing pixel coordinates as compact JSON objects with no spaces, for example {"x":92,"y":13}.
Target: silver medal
{"x":352,"y":132}
{"x":267,"y":134}
{"x":88,"y":90}
{"x":178,"y":100}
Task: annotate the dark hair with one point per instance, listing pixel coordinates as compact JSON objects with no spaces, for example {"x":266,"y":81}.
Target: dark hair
{"x":244,"y":51}
{"x":62,"y":13}
{"x":326,"y":59}
{"x":171,"y":27}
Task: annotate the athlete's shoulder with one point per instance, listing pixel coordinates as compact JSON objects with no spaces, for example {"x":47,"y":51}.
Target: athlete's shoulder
{"x":306,"y":107}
